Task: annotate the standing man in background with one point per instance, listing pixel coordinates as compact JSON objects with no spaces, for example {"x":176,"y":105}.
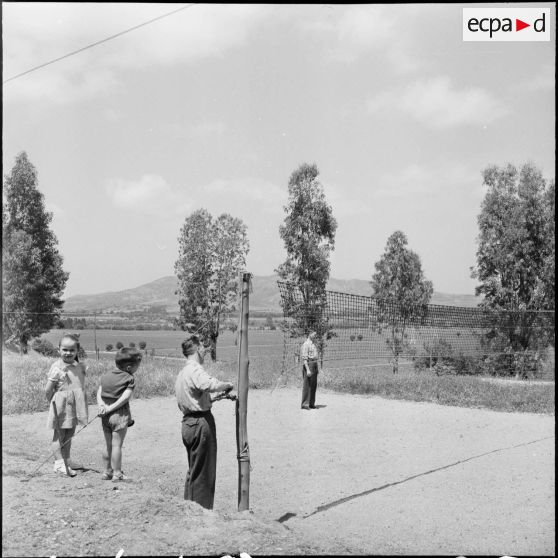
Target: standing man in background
{"x":309,"y":356}
{"x":193,"y":387}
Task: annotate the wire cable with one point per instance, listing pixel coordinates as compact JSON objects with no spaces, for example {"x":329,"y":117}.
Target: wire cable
{"x":99,"y":42}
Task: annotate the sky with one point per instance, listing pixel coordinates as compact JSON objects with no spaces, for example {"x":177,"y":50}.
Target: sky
{"x":216,"y":105}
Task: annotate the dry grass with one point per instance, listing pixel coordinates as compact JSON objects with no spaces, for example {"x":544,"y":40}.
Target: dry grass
{"x":24,"y":380}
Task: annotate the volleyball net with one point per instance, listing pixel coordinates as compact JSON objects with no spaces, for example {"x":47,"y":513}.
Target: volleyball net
{"x":469,"y":340}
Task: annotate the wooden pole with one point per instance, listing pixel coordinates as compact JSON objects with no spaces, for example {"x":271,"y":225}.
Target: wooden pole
{"x":57,"y":426}
{"x":243,"y":450}
{"x":95,"y":333}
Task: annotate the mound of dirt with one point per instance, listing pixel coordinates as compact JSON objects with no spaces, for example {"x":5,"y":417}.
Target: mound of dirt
{"x":54,"y":515}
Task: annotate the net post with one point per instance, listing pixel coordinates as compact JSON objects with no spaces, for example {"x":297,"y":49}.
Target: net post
{"x":243,"y":450}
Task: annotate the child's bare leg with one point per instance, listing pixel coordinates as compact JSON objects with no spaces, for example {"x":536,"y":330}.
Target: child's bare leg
{"x":67,"y":435}
{"x":56,"y":447}
{"x":107,"y":454}
{"x":65,"y":442}
{"x":117,"y":441}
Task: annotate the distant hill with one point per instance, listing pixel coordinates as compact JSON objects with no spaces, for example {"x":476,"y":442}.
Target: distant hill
{"x":265,"y":296}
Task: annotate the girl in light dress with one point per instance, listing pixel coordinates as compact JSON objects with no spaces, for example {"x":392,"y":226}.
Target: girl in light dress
{"x":66,"y":388}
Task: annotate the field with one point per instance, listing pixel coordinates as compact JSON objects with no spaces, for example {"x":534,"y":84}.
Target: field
{"x":168,"y":342}
{"x":351,"y":348}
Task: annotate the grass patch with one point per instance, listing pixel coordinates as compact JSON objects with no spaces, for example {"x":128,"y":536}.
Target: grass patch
{"x":458,"y":391}
{"x":24,"y":379}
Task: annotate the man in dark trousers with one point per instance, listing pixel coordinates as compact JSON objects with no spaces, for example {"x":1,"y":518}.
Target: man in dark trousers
{"x":309,"y":357}
{"x":193,"y":387}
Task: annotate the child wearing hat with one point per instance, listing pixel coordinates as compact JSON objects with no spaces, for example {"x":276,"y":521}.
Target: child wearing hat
{"x":113,"y":398}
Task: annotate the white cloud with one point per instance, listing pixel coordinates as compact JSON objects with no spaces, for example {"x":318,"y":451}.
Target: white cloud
{"x":351,"y":32}
{"x":268,"y":196}
{"x":35,"y":33}
{"x":150,"y":194}
{"x":207,"y":130}
{"x":417,"y":180}
{"x":544,"y":80}
{"x":343,"y":204}
{"x":437,"y":104}
{"x":112,"y":115}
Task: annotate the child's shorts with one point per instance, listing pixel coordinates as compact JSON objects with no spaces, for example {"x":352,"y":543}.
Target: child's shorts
{"x":117,"y":420}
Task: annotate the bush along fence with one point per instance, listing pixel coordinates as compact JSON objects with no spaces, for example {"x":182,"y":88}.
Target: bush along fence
{"x":447,"y":339}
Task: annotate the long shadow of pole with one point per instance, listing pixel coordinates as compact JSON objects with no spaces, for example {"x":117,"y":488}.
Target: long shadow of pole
{"x":319,"y":509}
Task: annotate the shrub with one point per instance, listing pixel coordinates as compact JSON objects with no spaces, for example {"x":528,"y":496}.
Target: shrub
{"x":132,"y":345}
{"x":142,"y":345}
{"x":359,"y":337}
{"x":352,"y":337}
{"x":119,"y":345}
{"x":44,"y":347}
{"x":109,"y":347}
{"x":441,"y":355}
{"x":546,"y":369}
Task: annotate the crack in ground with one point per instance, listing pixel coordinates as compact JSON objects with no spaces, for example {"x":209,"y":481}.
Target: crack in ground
{"x":319,"y":509}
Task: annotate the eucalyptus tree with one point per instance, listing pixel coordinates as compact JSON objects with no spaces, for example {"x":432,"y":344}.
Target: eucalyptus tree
{"x":400,"y":291}
{"x":212,"y":253}
{"x":516,"y":255}
{"x":308,"y":233}
{"x":33,"y":279}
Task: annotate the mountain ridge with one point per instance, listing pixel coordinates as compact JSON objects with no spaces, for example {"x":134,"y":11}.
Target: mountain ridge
{"x":264,"y":296}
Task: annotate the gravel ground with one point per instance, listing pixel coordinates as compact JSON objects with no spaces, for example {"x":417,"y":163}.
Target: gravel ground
{"x":358,"y":475}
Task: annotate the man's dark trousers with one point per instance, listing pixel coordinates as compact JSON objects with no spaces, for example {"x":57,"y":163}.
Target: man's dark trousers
{"x":309,"y":384}
{"x":200,"y":438}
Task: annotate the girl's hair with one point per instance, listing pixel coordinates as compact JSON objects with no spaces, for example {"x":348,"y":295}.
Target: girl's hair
{"x":75,"y":338}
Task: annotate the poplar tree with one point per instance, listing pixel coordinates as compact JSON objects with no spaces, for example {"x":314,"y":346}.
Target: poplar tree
{"x":212,"y":253}
{"x":33,"y":279}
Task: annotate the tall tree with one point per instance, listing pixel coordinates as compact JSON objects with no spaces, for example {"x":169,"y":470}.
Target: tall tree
{"x":400,"y":291}
{"x":515,"y":256}
{"x":33,"y":279}
{"x":308,"y":233}
{"x":548,"y":278}
{"x":212,"y":253}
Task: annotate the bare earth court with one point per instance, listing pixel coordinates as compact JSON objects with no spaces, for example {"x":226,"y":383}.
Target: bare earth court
{"x":358,"y":475}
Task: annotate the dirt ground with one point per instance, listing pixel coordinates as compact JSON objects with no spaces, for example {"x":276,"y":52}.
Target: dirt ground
{"x":358,"y":475}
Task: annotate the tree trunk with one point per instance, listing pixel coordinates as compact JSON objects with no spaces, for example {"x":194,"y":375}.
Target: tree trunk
{"x":213,"y":340}
{"x":395,"y":350}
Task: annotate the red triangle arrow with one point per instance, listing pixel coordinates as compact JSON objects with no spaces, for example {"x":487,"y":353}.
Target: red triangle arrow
{"x":519,"y":25}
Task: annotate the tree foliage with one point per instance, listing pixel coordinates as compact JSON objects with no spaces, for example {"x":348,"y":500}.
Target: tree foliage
{"x":516,"y":252}
{"x":548,"y":276}
{"x":400,"y":291}
{"x":33,"y":279}
{"x":212,"y":253}
{"x":308,"y":233}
